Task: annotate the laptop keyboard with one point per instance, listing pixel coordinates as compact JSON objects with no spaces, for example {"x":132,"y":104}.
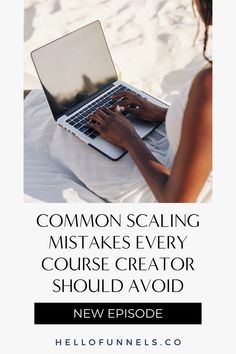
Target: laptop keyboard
{"x":80,"y":119}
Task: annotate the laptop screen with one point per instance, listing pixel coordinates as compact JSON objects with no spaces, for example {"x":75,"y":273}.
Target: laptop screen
{"x":73,"y":67}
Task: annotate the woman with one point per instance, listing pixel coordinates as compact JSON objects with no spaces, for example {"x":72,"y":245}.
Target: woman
{"x":190,"y":174}
{"x":152,"y":171}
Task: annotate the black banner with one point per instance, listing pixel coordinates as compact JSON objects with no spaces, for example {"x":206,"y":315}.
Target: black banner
{"x":118,"y":313}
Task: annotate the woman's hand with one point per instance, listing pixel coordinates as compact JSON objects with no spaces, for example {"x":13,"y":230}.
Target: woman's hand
{"x":113,"y":126}
{"x":140,"y":107}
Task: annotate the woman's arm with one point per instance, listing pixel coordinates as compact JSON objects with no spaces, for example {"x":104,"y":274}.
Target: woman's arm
{"x":26,"y":92}
{"x":193,"y":161}
{"x":140,"y":107}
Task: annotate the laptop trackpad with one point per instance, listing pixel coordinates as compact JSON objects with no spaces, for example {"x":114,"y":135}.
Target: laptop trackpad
{"x":142,"y":128}
{"x":107,"y":148}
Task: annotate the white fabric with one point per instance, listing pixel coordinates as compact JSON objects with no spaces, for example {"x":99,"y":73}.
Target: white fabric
{"x":61,"y":168}
{"x":174,"y":121}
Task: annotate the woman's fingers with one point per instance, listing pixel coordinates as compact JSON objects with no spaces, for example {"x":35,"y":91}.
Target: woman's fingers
{"x":113,"y":106}
{"x":96,"y":122}
{"x":107,"y":111}
{"x":101,"y":112}
{"x":130,"y":102}
{"x":100,"y":115}
{"x":96,"y":126}
{"x":132,"y":110}
{"x":100,"y":120}
{"x":119,"y":109}
{"x":126,"y":103}
{"x":96,"y":118}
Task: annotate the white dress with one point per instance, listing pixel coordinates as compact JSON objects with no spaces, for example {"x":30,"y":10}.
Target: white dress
{"x":61,"y":168}
{"x":174,"y":121}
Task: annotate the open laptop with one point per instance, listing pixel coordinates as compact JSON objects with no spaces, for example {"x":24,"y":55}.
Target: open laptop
{"x":78,"y":76}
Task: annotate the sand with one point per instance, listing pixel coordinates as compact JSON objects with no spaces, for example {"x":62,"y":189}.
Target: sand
{"x":150,"y":41}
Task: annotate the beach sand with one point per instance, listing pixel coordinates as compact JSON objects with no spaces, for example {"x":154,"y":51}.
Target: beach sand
{"x":150,"y":41}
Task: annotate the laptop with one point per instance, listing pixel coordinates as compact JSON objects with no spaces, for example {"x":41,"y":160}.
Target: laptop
{"x":78,"y":76}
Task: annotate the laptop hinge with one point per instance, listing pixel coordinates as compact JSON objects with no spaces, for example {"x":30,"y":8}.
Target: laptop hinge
{"x":87,"y":100}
